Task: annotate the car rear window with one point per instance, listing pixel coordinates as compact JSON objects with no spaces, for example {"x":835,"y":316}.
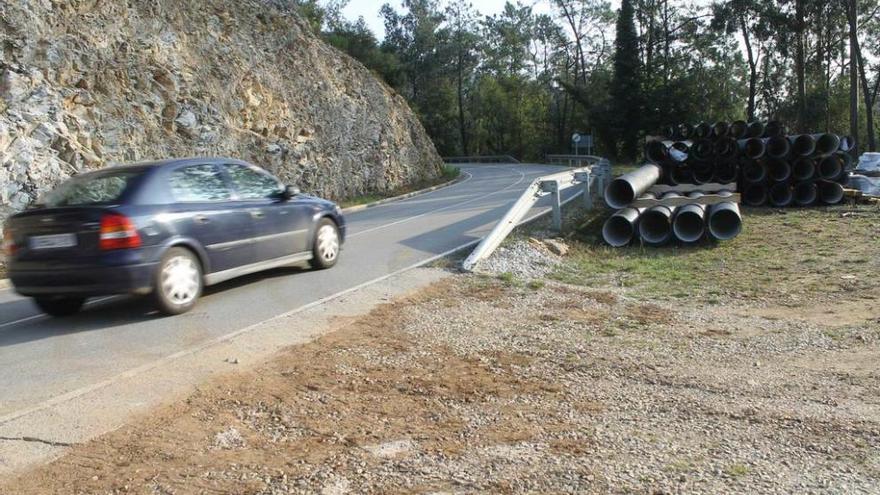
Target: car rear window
{"x":91,"y":189}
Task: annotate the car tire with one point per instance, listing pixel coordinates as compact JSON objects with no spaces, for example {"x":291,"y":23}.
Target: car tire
{"x":60,"y":306}
{"x":178,"y":282}
{"x":325,"y":246}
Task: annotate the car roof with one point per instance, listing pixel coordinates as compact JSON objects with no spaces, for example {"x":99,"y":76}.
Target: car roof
{"x":178,"y":161}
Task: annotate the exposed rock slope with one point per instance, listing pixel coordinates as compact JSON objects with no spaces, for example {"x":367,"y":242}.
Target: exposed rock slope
{"x":87,"y":83}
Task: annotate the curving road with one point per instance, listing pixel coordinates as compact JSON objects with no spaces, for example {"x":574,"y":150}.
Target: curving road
{"x":43,"y":358}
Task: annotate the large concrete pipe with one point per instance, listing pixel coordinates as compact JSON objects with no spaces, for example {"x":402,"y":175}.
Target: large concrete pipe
{"x":680,"y":175}
{"x":726,"y":172}
{"x":657,"y":151}
{"x":689,"y":223}
{"x":803,"y":145}
{"x":655,"y":224}
{"x":781,"y":194}
{"x":669,"y":133}
{"x":826,"y":143}
{"x":778,"y":147}
{"x":830,"y":167}
{"x":754,"y":171}
{"x":806,"y":193}
{"x":848,"y":162}
{"x":625,"y":189}
{"x":755,"y":194}
{"x":753,"y":148}
{"x":756,"y":129}
{"x":739,"y":129}
{"x":725,"y":221}
{"x":778,"y":170}
{"x":803,"y":169}
{"x":703,"y":150}
{"x":703,"y":131}
{"x":702,"y":173}
{"x":774,"y":128}
{"x":720,"y":129}
{"x":620,"y":229}
{"x":726,"y":147}
{"x":847,"y":143}
{"x":830,"y":193}
{"x":686,"y":131}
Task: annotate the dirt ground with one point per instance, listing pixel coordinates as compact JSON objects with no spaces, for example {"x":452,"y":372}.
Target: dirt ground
{"x":498,"y":384}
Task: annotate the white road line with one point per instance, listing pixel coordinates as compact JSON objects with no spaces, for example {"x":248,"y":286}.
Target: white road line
{"x":225,"y":338}
{"x":43,"y":315}
{"x":407,"y":219}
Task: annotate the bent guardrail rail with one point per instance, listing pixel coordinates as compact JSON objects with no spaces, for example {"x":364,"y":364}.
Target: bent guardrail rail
{"x":589,"y":179}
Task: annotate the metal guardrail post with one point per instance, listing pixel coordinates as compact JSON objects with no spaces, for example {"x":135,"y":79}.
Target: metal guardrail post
{"x":586,"y":178}
{"x":552,"y":187}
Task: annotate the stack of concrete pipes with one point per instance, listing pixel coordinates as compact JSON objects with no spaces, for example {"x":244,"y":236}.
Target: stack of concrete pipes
{"x":660,"y":225}
{"x":769,"y":166}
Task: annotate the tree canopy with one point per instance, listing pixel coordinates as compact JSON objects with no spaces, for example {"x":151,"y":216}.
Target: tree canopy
{"x":521,"y":82}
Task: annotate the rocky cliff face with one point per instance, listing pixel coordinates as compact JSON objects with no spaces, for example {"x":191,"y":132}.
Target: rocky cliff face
{"x":87,"y":83}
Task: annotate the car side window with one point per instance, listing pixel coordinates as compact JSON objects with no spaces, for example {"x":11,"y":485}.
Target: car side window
{"x":198,"y":183}
{"x":251,"y":183}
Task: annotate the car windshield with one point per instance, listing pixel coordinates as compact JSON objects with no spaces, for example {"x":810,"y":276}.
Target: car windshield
{"x":91,"y":189}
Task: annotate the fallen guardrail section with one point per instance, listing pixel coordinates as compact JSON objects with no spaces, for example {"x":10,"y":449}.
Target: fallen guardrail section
{"x":589,"y":179}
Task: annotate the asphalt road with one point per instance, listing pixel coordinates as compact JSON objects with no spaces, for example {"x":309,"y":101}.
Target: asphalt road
{"x":42,"y":358}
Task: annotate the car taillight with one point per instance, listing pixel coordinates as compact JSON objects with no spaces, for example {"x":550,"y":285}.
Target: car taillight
{"x":118,"y":232}
{"x":9,"y":246}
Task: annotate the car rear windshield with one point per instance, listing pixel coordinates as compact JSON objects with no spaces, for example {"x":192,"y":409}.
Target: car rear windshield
{"x":91,"y":189}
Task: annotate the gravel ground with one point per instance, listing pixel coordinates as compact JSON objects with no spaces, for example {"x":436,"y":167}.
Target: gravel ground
{"x":489,"y":384}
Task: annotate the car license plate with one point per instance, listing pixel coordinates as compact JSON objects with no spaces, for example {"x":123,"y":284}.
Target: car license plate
{"x":54,"y":241}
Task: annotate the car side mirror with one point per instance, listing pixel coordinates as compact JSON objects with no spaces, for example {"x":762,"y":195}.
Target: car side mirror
{"x":290,"y":192}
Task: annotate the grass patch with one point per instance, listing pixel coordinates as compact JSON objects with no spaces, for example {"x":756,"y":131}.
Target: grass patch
{"x":793,"y":253}
{"x":447,"y":173}
{"x":736,"y":470}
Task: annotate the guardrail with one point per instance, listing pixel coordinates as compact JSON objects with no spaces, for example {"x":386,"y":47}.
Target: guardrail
{"x":589,"y":179}
{"x":572,"y":160}
{"x":480,"y":159}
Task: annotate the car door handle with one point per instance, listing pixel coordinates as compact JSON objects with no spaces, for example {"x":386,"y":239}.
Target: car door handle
{"x":257,"y":214}
{"x":201,"y":219}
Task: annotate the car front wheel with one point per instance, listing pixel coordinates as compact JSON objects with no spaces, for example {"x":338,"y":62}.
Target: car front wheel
{"x":325,"y":250}
{"x":178,"y":283}
{"x":60,"y":306}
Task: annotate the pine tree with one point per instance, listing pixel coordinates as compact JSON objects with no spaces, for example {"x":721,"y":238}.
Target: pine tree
{"x":626,"y":90}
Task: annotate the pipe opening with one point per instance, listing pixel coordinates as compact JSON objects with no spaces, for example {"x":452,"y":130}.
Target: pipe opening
{"x":778,"y":147}
{"x":804,"y":169}
{"x":689,"y":226}
{"x":654,"y":227}
{"x":755,"y":148}
{"x":754,"y":172}
{"x":725,"y":173}
{"x":806,"y":193}
{"x":756,"y":129}
{"x":847,"y":143}
{"x":804,"y":145}
{"x":703,"y":175}
{"x":721,"y":129}
{"x":656,"y":151}
{"x":774,"y":128}
{"x":739,"y":129}
{"x":618,"y":231}
{"x":781,"y":195}
{"x":830,"y":167}
{"x":779,"y":170}
{"x":830,"y":192}
{"x":725,"y":224}
{"x":619,"y":194}
{"x":755,"y":195}
{"x":827,"y":144}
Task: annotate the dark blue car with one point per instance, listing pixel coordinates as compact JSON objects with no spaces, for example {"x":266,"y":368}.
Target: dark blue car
{"x":167,"y":229}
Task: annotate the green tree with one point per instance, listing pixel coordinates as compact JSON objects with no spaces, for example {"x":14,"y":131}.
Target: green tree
{"x":626,"y":90}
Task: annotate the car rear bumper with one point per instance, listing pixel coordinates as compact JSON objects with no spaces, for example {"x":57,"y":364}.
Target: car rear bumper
{"x":87,"y":281}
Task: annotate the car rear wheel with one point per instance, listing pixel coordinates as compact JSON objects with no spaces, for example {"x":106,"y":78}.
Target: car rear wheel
{"x":178,"y":284}
{"x":59,"y":306}
{"x":325,"y":250}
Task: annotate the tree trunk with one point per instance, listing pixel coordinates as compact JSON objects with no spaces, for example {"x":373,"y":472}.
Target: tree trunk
{"x":462,"y":127}
{"x":753,"y":68}
{"x":800,"y":66}
{"x":852,"y":15}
